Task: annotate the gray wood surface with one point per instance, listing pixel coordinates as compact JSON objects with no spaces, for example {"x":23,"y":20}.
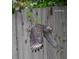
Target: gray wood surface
{"x":19,"y":35}
{"x":21,"y":41}
{"x":14,"y":45}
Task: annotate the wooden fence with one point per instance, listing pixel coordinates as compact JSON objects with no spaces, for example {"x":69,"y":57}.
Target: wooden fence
{"x":54,"y":16}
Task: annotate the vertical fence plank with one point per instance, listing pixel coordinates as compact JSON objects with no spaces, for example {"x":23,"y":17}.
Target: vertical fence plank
{"x":44,"y":19}
{"x":49,"y":52}
{"x":58,"y":29}
{"x":26,"y":41}
{"x":20,"y":35}
{"x":60,"y":16}
{"x":64,"y":26}
{"x":14,"y":46}
{"x":38,"y":20}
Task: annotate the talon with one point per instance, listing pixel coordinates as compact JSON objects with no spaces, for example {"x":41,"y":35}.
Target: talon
{"x":32,"y":50}
{"x":41,"y":47}
{"x":35,"y":50}
{"x":38,"y":49}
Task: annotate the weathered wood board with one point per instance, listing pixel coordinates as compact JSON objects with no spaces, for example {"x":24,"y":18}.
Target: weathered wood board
{"x":21,"y":41}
